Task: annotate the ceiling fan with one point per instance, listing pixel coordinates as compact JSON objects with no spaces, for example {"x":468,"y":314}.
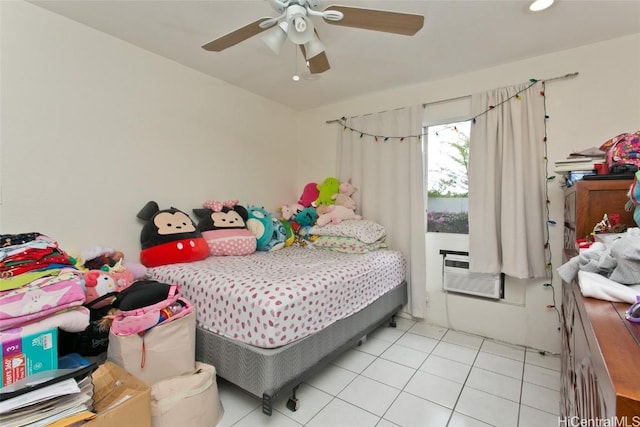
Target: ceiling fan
{"x":294,"y":23}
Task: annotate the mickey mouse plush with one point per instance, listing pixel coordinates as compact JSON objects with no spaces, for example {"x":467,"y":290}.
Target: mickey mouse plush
{"x":223,"y":226}
{"x":169,"y":236}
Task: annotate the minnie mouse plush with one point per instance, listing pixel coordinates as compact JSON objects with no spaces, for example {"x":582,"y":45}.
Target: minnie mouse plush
{"x":224,"y":226}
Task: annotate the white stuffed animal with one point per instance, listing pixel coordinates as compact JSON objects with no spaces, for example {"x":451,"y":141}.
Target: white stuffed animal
{"x":343,"y":197}
{"x":335,"y":214}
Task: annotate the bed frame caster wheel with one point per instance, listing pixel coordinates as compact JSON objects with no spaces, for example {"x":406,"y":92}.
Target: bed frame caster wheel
{"x":293,"y":404}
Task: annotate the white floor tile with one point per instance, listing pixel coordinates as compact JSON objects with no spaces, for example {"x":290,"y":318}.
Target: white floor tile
{"x":494,"y":383}
{"x":427,"y":330}
{"x":369,"y":395}
{"x":388,"y":334}
{"x":418,"y":342}
{"x":434,"y":388}
{"x":404,"y":324}
{"x":311,"y":399}
{"x":416,"y":375}
{"x":354,"y":360}
{"x":460,"y":420}
{"x":389,"y":373}
{"x":237,"y":403}
{"x":462,"y":338}
{"x":446,"y":368}
{"x":374,"y":346}
{"x":258,"y":419}
{"x":385,"y":423}
{"x":488,"y":408}
{"x":332,"y":379}
{"x":405,"y":356}
{"x":340,"y":413}
{"x":545,"y":360}
{"x":503,"y":349}
{"x":411,"y":411}
{"x":455,"y":352}
{"x":542,"y":398}
{"x":502,"y":365}
{"x":541,"y":376}
{"x":531,"y":417}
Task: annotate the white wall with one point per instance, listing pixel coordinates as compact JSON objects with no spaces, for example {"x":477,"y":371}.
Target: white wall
{"x":93,"y":128}
{"x":603,"y":101}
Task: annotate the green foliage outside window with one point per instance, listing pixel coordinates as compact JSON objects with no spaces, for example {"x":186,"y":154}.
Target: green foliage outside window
{"x":448,"y":222}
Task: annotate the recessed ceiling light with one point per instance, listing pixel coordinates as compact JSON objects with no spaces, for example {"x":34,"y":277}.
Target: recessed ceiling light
{"x":539,"y":5}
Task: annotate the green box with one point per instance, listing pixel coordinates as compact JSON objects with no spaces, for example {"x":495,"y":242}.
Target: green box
{"x":28,"y":355}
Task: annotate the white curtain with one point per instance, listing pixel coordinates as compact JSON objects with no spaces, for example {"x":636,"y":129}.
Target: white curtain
{"x":389,"y":176}
{"x":507,"y":182}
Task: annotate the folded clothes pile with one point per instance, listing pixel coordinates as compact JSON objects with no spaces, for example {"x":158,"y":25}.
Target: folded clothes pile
{"x":618,"y":260}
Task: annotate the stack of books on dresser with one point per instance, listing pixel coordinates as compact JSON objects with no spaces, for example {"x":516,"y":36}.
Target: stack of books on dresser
{"x":580,"y":164}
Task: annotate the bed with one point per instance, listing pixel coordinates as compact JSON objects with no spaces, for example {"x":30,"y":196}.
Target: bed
{"x":269,"y":320}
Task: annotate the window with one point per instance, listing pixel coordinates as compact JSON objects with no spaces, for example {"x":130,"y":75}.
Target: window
{"x":447,"y":177}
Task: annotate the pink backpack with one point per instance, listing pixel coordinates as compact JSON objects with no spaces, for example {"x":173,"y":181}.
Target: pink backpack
{"x":623,"y":149}
{"x":145,"y":304}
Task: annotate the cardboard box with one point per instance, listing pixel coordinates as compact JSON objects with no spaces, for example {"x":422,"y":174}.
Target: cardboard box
{"x":120,"y":399}
{"x":28,"y":355}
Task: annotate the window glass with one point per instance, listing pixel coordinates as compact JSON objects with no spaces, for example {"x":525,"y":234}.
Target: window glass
{"x":447,"y":177}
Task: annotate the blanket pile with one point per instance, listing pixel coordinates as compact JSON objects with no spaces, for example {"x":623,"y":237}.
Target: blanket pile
{"x":610,"y":271}
{"x":350,"y":236}
{"x":39,"y":287}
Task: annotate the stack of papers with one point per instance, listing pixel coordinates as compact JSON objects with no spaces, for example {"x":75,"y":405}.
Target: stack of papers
{"x":584,"y":160}
{"x":52,"y":398}
{"x":49,"y":404}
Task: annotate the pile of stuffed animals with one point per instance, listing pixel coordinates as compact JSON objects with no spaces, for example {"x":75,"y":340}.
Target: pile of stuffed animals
{"x":227,"y":228}
{"x":105,"y":271}
{"x":331,"y":201}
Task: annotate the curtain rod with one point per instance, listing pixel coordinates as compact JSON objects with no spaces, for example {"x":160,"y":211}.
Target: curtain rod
{"x":565,"y":76}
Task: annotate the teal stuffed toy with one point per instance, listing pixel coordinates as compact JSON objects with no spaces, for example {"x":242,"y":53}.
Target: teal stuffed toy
{"x":634,"y":198}
{"x":327,"y":189}
{"x":306,"y":217}
{"x":269,"y":231}
{"x":260,"y":223}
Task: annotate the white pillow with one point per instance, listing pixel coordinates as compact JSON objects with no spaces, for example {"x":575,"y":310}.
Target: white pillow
{"x":364,"y":230}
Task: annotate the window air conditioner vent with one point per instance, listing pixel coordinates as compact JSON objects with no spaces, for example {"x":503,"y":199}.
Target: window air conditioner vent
{"x":458,"y":278}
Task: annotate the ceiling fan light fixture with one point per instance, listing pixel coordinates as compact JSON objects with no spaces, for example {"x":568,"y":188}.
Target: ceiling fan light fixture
{"x":275,"y":38}
{"x":538,"y":5}
{"x":300,"y":28}
{"x":332,"y":15}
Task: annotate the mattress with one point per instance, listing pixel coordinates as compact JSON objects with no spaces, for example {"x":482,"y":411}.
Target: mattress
{"x":270,"y":299}
{"x":269,"y":372}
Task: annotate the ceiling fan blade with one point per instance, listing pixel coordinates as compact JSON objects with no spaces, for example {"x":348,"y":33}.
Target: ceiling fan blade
{"x":378,"y":20}
{"x":318,"y":64}
{"x":237,"y":36}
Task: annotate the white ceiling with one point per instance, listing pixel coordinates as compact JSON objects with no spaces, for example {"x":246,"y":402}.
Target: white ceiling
{"x":458,"y":36}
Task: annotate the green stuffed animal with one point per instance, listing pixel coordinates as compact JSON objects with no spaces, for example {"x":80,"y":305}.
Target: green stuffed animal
{"x":327,"y":189}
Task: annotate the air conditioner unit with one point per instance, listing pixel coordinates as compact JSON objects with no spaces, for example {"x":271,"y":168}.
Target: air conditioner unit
{"x":458,"y":278}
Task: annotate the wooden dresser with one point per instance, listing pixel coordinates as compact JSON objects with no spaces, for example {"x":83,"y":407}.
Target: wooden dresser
{"x":600,"y":371}
{"x":586,"y":202}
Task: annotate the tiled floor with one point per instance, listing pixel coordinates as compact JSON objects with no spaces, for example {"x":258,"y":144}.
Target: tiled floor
{"x":417,"y":375}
